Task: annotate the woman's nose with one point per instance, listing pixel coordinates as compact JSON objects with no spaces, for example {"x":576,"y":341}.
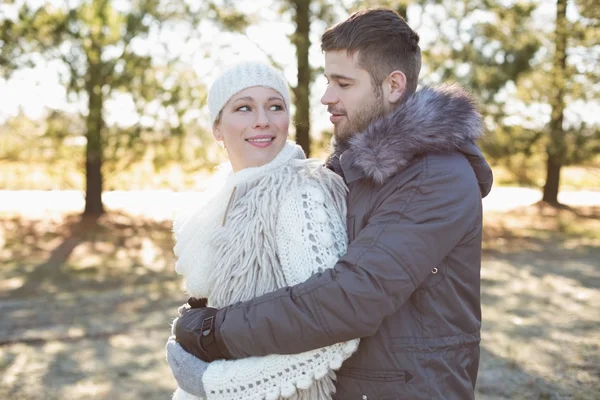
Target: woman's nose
{"x":262,"y":119}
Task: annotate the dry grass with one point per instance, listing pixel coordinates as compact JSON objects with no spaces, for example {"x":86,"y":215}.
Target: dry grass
{"x":52,"y":255}
{"x":67,"y":174}
{"x":86,"y":306}
{"x":571,"y":178}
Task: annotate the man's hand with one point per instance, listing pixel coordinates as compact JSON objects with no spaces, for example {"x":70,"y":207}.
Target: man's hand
{"x":192,"y":302}
{"x":187,"y":369}
{"x":197,"y":332}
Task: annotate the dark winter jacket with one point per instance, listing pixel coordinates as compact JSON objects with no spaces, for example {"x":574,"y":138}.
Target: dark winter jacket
{"x":409,"y":284}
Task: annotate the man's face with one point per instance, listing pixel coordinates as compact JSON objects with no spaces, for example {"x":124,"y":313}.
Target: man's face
{"x":350,"y":97}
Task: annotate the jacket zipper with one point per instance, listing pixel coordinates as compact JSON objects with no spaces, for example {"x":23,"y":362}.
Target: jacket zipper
{"x":229,"y":205}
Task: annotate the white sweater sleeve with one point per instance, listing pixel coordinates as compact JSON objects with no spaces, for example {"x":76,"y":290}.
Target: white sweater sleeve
{"x":311,"y":236}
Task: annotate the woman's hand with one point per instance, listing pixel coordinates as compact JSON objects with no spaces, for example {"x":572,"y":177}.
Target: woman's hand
{"x":187,"y":369}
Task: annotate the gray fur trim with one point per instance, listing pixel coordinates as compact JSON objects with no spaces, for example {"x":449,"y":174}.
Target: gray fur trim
{"x":433,"y":120}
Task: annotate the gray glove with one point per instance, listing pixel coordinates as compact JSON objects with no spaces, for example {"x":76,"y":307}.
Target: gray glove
{"x":187,"y":369}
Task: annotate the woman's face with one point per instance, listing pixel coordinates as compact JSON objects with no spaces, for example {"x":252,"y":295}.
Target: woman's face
{"x":253,"y":126}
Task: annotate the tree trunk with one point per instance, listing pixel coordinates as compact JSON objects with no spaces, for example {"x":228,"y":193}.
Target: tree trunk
{"x":552,"y":182}
{"x":93,"y":162}
{"x":556,"y":147}
{"x":302,"y":90}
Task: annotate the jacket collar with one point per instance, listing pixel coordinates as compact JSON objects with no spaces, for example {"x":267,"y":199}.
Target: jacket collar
{"x":433,"y":120}
{"x":350,"y":170}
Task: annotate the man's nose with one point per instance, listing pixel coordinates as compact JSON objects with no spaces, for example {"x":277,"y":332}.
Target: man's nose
{"x":329,"y":97}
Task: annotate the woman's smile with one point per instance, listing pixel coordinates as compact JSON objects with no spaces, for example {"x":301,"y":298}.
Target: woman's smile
{"x":261,"y":140}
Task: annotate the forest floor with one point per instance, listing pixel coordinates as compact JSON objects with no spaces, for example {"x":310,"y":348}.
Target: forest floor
{"x":86,"y":306}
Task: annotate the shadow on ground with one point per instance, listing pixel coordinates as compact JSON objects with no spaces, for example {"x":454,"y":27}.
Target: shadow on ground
{"x":46,"y":257}
{"x":86,"y":306}
{"x":540,"y":287}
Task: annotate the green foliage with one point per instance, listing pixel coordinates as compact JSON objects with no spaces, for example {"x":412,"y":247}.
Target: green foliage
{"x":400,"y":6}
{"x":582,"y":143}
{"x":110,"y":51}
{"x":481,"y":45}
{"x":503,"y":52}
{"x":589,"y":9}
{"x":51,"y":149}
{"x":229,"y":17}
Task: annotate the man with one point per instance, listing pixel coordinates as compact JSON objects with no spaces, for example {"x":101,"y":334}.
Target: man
{"x":409,"y":283}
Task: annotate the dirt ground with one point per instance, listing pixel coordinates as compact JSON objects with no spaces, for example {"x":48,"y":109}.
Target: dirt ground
{"x":85,"y":306}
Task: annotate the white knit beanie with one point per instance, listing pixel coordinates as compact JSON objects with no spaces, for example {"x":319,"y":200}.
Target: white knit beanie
{"x":242,"y":76}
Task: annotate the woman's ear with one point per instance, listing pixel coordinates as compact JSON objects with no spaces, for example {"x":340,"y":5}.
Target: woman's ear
{"x":397,"y":86}
{"x":217,"y":132}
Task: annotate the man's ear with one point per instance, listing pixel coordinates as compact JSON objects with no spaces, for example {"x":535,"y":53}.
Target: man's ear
{"x":397,"y":86}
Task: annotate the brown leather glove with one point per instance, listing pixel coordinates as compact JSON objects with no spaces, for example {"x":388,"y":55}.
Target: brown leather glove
{"x":197,"y":332}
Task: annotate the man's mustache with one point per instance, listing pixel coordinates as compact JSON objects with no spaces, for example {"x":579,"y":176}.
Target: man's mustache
{"x":335,"y":111}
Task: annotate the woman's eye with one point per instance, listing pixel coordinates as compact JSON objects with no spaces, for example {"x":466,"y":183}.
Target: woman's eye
{"x":243,"y":108}
{"x":344,"y":85}
{"x":276,"y":107}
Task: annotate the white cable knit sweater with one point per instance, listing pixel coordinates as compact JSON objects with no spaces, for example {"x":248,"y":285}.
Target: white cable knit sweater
{"x":268,"y":227}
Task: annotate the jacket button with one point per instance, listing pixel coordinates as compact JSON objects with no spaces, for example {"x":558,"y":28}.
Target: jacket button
{"x":434,"y":271}
{"x":364,"y":397}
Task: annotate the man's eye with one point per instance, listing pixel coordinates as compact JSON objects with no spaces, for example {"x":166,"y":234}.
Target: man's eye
{"x":344,"y":85}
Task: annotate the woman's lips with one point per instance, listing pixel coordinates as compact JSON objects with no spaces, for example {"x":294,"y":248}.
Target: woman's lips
{"x":261,"y":141}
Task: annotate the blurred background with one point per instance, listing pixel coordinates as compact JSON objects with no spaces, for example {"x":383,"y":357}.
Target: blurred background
{"x":104,"y":135}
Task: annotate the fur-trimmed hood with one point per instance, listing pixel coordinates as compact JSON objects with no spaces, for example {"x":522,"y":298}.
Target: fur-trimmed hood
{"x":433,"y":120}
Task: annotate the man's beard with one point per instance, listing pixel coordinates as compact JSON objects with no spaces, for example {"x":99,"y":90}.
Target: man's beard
{"x":371,"y":112}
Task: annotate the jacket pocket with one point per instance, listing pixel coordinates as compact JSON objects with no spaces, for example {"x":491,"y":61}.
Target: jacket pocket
{"x":438,"y":344}
{"x":375,"y":375}
{"x":373,"y":384}
{"x":393,"y":396}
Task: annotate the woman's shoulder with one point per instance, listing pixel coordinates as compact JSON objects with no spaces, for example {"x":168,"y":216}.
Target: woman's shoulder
{"x":315,"y":170}
{"x":315,"y":186}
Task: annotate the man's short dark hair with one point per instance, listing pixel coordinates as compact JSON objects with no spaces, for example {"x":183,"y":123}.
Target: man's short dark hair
{"x":384,"y":42}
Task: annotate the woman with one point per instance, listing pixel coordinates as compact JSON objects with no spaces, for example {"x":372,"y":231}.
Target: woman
{"x":278,"y":219}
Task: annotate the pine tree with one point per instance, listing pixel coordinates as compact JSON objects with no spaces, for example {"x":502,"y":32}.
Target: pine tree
{"x":95,"y":41}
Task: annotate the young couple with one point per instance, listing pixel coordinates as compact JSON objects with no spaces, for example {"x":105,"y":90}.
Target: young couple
{"x":354,"y":280}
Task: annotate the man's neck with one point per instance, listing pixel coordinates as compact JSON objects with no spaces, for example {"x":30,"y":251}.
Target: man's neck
{"x":341,"y":145}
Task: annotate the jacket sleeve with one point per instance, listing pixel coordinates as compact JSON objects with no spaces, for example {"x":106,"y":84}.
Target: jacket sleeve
{"x":407,"y":235}
{"x":307,"y":230}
